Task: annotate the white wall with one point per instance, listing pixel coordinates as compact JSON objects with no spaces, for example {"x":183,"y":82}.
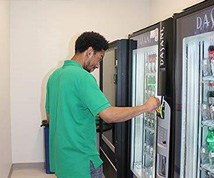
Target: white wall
{"x":162,"y":9}
{"x":42,"y":36}
{"x":5,"y":121}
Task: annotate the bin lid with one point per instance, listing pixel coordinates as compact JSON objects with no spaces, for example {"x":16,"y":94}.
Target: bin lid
{"x":44,"y":123}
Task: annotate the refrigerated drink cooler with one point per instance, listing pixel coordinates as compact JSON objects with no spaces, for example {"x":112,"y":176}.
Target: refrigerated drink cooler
{"x":151,"y":133}
{"x":114,"y":84}
{"x":144,"y":126}
{"x":194,"y":154}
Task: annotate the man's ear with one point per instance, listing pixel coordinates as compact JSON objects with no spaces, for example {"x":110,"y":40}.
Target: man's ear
{"x":89,"y":52}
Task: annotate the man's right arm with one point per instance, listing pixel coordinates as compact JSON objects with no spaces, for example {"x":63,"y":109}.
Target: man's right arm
{"x":121,"y":114}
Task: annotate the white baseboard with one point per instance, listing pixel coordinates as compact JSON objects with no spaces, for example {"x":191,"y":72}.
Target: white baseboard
{"x":19,"y":166}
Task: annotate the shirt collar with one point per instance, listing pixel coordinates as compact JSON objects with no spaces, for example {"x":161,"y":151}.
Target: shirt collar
{"x":72,"y":63}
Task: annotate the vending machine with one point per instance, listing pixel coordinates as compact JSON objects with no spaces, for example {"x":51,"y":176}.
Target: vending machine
{"x":115,"y":85}
{"x":152,"y":134}
{"x":194,"y":91}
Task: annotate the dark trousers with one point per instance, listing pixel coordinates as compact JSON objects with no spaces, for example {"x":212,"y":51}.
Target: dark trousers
{"x":96,"y":173}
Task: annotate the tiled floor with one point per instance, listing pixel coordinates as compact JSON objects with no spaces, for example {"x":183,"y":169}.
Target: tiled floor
{"x":31,"y":173}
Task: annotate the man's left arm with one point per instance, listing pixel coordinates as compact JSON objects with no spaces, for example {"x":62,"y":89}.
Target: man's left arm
{"x":47,"y":102}
{"x":48,"y":117}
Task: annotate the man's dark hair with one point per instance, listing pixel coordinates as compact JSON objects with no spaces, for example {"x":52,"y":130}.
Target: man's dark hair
{"x":90,"y":39}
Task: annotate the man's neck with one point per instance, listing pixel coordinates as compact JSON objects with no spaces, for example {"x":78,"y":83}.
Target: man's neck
{"x":78,"y":58}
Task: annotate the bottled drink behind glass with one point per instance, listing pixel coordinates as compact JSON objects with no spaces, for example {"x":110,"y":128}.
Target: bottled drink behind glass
{"x":211,"y":57}
{"x":211,"y":52}
{"x":208,"y":175}
{"x":211,"y":93}
{"x":149,"y":83}
{"x":211,"y":158}
{"x":206,"y":67}
{"x":211,"y":99}
{"x":149,"y":172}
{"x":205,"y":111}
{"x":210,"y":143}
{"x":204,"y":154}
{"x":210,"y":139}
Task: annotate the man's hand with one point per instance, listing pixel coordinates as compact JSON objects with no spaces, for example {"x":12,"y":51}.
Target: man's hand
{"x":121,"y":114}
{"x":152,"y":104}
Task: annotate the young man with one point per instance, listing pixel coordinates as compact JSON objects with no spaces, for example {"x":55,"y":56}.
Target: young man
{"x":73,"y":100}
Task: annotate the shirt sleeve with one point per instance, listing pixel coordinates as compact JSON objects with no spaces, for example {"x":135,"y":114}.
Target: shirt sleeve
{"x":91,"y":96}
{"x":47,"y":99}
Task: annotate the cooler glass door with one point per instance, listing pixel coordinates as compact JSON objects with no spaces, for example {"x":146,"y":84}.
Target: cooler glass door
{"x":109,"y":91}
{"x":143,"y":139}
{"x":197,"y":117}
{"x":195,"y":99}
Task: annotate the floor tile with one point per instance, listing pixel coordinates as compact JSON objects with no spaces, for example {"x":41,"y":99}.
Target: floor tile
{"x":31,"y":173}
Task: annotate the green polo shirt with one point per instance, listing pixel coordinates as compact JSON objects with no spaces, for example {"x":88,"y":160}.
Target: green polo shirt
{"x":73,"y":100}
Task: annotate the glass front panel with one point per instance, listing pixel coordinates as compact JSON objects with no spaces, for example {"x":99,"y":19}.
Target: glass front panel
{"x":144,"y":126}
{"x":197,"y":144}
{"x":109,"y":63}
{"x":108,"y":75}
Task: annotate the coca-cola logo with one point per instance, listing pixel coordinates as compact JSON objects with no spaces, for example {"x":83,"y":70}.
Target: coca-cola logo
{"x":206,"y":20}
